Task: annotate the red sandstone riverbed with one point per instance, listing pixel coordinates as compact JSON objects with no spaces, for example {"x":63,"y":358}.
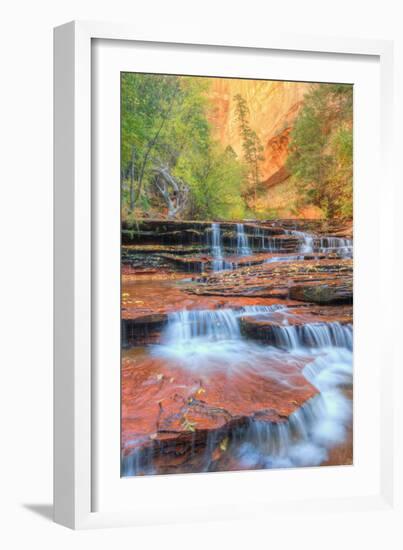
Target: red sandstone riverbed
{"x":165,"y":406}
{"x":146,"y":292}
{"x":159,"y":399}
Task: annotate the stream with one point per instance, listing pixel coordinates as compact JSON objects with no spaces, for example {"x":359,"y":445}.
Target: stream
{"x":238,"y":383}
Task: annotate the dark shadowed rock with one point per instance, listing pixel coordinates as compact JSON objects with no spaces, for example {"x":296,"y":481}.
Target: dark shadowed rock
{"x":143,"y":330}
{"x":333,"y":292}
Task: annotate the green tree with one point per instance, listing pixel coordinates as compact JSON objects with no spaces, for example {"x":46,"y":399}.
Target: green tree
{"x":251,"y":145}
{"x":170,"y":164}
{"x":215,"y":179}
{"x":146,"y":107}
{"x":321,"y":149}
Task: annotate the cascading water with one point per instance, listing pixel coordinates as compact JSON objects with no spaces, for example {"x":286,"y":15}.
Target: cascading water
{"x":311,"y":243}
{"x":307,"y":245}
{"x":339,"y":245}
{"x":292,"y":258}
{"x":259,"y":235}
{"x":184,"y":327}
{"x":207,"y":340}
{"x":207,"y":362}
{"x":198,"y":335}
{"x":216,"y":252}
{"x":313,"y":429}
{"x":219,"y":263}
{"x":306,"y":241}
{"x":267,"y":243}
{"x":213,"y":324}
{"x":313,"y":335}
{"x":243,"y":248}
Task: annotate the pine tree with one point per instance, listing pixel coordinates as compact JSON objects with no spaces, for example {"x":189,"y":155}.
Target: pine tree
{"x":251,"y":145}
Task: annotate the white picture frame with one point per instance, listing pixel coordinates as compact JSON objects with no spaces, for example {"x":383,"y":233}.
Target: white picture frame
{"x":75,"y":392}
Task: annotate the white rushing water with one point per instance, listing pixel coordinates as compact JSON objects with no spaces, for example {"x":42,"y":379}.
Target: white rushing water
{"x":306,"y":241}
{"x":341,"y":246}
{"x":188,"y":327}
{"x":260,"y":241}
{"x":292,"y":258}
{"x":311,"y":243}
{"x":243,"y":248}
{"x":212,"y":339}
{"x":206,"y":341}
{"x":313,"y":335}
{"x":219,"y":263}
{"x":216,"y":251}
{"x":312,"y":430}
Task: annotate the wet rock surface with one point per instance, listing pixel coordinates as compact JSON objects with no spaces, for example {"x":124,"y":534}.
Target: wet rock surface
{"x":334,"y":228}
{"x":237,"y":385}
{"x":172,"y":412}
{"x":323,"y":281}
{"x":263,"y":327}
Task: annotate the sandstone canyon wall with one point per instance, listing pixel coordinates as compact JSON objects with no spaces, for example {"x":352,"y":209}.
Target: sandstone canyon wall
{"x":273,"y":108}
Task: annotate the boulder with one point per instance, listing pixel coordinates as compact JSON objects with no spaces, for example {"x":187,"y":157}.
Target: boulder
{"x":331,"y":292}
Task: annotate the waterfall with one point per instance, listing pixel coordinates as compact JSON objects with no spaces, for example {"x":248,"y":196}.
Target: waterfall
{"x":310,"y":243}
{"x":293,"y":258}
{"x":216,"y":324}
{"x":216,"y":252}
{"x":313,"y":335}
{"x":243,"y":248}
{"x":211,"y":339}
{"x":266,"y":243}
{"x":339,"y":245}
{"x":259,"y":310}
{"x":220,"y":358}
{"x":307,"y":245}
{"x":322,"y":335}
{"x":188,"y":331}
{"x":313,"y":429}
{"x":211,"y":324}
{"x":258,"y":234}
{"x":306,"y":240}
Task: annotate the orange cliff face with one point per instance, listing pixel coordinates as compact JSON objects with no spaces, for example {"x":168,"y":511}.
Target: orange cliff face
{"x":273,"y":109}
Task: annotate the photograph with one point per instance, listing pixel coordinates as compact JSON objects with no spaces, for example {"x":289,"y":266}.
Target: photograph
{"x":236,"y":274}
{"x":213,"y":270}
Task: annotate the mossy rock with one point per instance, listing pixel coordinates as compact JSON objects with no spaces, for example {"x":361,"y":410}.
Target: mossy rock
{"x":323,"y":294}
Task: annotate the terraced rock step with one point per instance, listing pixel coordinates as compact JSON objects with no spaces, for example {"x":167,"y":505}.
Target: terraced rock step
{"x":161,"y":227}
{"x":189,"y":232}
{"x":189,"y":419}
{"x":131,"y":250}
{"x":143,"y":330}
{"x":335,"y":228}
{"x":306,"y":326}
{"x":201,"y":263}
{"x":233,"y":335}
{"x":323,"y":281}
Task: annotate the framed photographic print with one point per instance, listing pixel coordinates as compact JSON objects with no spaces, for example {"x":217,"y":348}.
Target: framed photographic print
{"x":215,"y":207}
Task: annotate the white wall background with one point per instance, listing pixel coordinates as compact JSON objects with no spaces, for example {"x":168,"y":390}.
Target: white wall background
{"x":26,"y":266}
